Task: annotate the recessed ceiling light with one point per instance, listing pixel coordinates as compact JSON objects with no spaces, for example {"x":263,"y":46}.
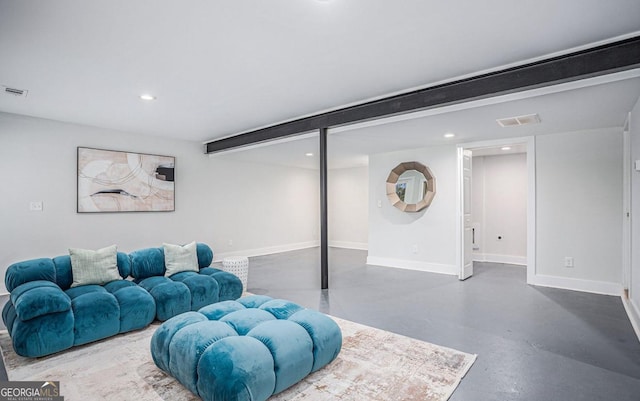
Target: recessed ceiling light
{"x":308,"y":154}
{"x":449,"y":135}
{"x":506,"y":148}
{"x":147,"y":97}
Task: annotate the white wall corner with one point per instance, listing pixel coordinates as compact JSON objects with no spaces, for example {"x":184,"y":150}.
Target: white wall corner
{"x":634,"y":314}
{"x":566,"y":283}
{"x":413,"y":265}
{"x":218,"y":256}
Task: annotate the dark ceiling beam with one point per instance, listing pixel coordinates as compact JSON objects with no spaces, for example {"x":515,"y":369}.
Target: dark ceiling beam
{"x":600,"y":60}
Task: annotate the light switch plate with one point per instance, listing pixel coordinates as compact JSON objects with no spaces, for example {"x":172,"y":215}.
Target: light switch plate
{"x":35,"y":206}
{"x":637,"y":165}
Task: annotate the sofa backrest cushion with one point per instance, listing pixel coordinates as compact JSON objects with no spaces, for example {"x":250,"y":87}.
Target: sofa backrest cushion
{"x":150,"y":262}
{"x":64,"y":275}
{"x":138,"y":264}
{"x":29,"y":270}
{"x":147,"y":262}
{"x":205,"y":255}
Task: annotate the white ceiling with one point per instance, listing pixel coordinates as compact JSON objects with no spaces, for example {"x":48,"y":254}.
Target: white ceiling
{"x":222,"y":67}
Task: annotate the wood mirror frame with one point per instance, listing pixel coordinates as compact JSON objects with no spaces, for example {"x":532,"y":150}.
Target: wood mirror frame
{"x":392,"y":180}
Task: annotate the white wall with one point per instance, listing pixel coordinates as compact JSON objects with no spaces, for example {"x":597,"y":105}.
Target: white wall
{"x":579,"y":209}
{"x":634,"y":289}
{"x":348,"y":207}
{"x":579,"y":212}
{"x":261,"y":208}
{"x":500,"y":208}
{"x":394,"y":234}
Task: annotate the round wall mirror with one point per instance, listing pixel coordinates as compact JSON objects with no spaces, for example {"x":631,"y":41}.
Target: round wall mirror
{"x":411,"y":186}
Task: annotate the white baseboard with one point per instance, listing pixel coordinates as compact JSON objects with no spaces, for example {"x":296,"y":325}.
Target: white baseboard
{"x":363,"y":246}
{"x":412,"y":265}
{"x":596,"y":287}
{"x":495,"y":258}
{"x":634,"y":314}
{"x":266,"y":250}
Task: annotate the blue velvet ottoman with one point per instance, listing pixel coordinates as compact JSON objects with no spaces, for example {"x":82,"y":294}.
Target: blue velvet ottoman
{"x":247,"y":349}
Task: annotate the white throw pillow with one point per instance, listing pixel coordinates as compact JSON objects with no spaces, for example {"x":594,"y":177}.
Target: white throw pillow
{"x":94,"y":267}
{"x":180,"y":258}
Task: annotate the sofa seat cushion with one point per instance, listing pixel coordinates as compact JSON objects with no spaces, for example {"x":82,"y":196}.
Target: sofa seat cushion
{"x":230,"y":285}
{"x":118,"y":285}
{"x":204,"y":289}
{"x":171,"y":297}
{"x":75,"y":292}
{"x":137,"y":306}
{"x":96,"y":313}
{"x":37,"y":298}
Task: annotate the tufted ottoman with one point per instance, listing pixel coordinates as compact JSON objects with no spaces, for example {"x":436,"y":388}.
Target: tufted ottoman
{"x":247,"y":349}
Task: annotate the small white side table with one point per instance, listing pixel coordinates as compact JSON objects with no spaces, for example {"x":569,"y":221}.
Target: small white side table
{"x":238,"y":265}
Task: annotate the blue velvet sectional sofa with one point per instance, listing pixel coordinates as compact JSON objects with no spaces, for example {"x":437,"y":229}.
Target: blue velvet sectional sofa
{"x":46,"y":314}
{"x":183,"y":291}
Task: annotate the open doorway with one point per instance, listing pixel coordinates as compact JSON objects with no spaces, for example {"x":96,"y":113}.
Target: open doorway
{"x":496,"y":216}
{"x":499,"y":204}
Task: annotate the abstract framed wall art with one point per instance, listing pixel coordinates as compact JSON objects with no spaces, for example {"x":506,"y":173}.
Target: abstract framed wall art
{"x":114,"y":181}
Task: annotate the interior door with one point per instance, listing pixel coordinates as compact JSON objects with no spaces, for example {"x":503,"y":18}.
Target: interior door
{"x":467,"y":229}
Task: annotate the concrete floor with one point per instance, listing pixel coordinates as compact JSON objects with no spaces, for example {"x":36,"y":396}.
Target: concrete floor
{"x":533,"y":343}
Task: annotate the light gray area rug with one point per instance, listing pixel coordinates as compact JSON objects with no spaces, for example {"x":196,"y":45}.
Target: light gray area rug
{"x":373,"y":365}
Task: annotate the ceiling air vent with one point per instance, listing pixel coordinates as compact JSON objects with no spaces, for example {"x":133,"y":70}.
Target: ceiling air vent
{"x":15,"y":92}
{"x":520,"y":120}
